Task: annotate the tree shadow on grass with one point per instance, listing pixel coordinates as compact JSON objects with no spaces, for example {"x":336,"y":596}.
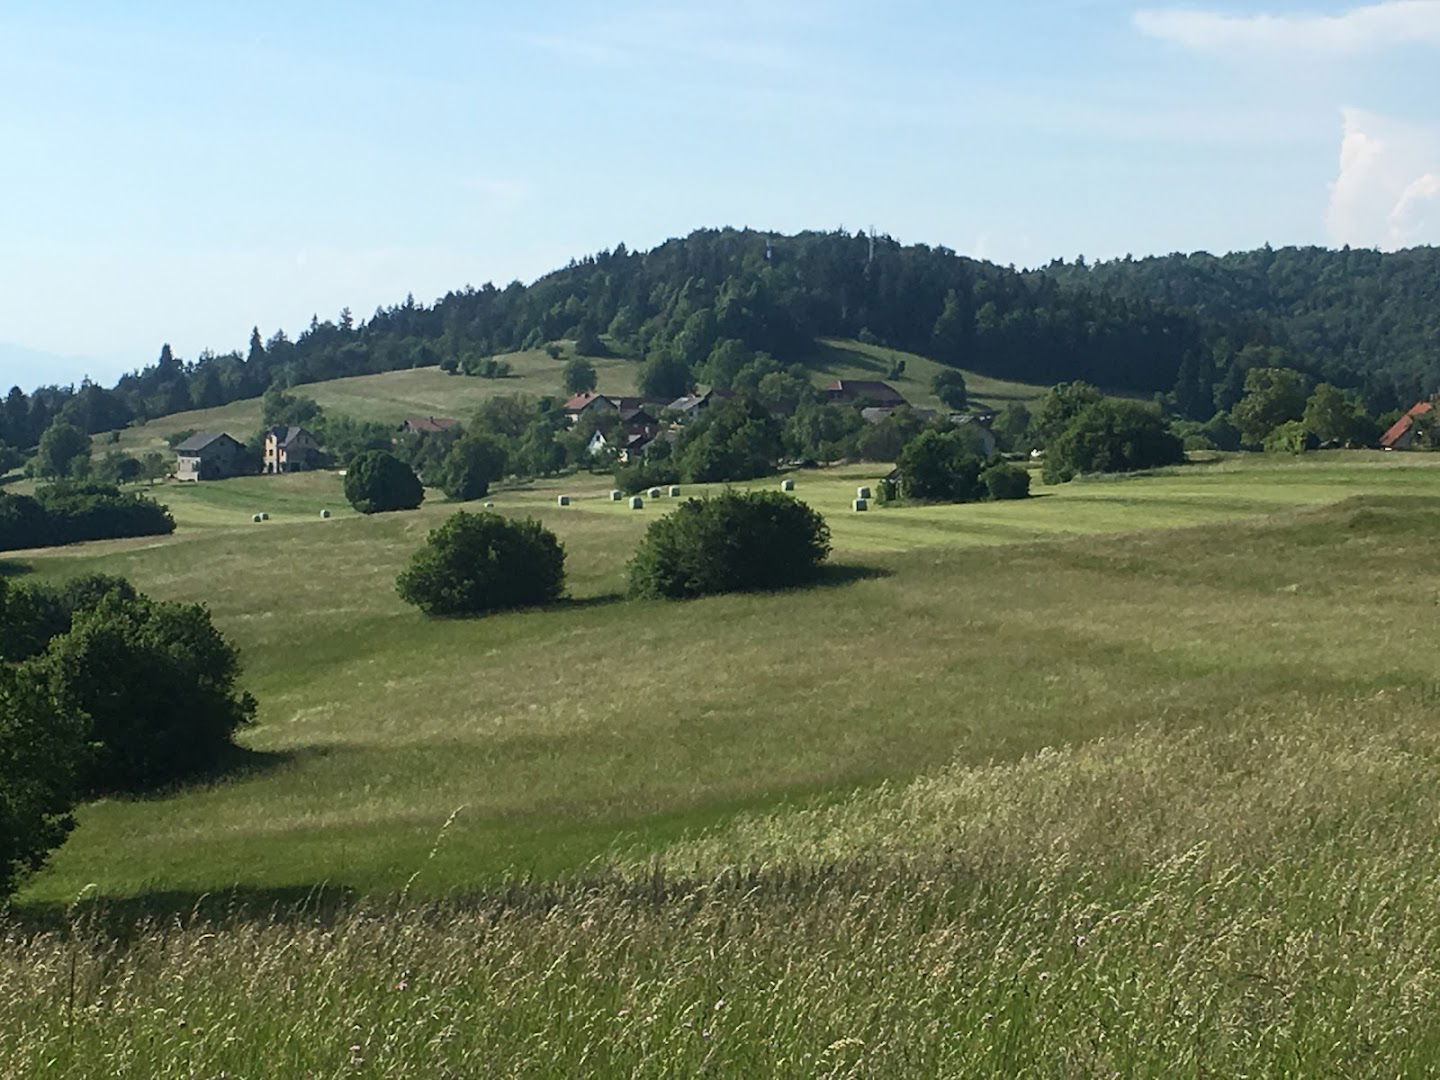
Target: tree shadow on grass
{"x":10,"y":568}
{"x":834,"y":575}
{"x":236,"y":764}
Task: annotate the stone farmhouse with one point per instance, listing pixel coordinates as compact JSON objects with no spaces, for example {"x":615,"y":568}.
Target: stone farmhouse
{"x":291,"y":449}
{"x":210,"y":456}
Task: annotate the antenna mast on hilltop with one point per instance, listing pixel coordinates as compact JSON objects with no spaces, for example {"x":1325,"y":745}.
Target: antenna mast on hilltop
{"x":769,"y":247}
{"x":871,"y":257}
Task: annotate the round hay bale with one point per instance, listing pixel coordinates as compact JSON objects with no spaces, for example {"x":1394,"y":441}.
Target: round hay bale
{"x":257,"y":519}
{"x":616,"y":495}
{"x":324,"y":514}
{"x":862,"y":493}
{"x":674,"y":490}
{"x":787,"y":485}
{"x":862,"y":504}
{"x":654,"y":493}
{"x":264,"y":516}
{"x":636,"y":503}
{"x":489,"y":506}
{"x":563,"y":500}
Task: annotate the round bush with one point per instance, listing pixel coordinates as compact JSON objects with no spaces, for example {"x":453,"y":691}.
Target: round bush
{"x":377,"y":481}
{"x":733,"y":542}
{"x":1006,"y":482}
{"x":476,"y":563}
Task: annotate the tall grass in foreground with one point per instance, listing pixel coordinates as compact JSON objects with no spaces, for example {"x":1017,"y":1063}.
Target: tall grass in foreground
{"x":1256,"y":898}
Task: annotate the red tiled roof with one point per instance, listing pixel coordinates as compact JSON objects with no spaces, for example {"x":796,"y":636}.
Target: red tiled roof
{"x":583,"y":400}
{"x":429,"y":423}
{"x":1401,"y":426}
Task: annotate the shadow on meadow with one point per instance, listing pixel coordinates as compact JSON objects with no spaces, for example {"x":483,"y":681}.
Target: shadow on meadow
{"x":10,"y":568}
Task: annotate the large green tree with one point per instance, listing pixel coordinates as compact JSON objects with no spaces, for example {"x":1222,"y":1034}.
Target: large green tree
{"x":949,"y":387}
{"x":1058,"y":408}
{"x":580,"y":375}
{"x":1273,"y":396}
{"x":479,"y":563}
{"x":43,"y":753}
{"x":158,"y":683}
{"x":64,"y":451}
{"x":378,"y":481}
{"x":734,"y":541}
{"x":1112,"y":435}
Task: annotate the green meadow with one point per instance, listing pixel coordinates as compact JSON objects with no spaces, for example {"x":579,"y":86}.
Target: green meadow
{"x":1136,"y":777}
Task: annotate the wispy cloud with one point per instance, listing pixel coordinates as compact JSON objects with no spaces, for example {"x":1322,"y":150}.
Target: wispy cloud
{"x":1362,"y":29}
{"x":1387,"y":191}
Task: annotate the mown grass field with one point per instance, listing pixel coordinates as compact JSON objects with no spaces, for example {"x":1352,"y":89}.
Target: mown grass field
{"x":1134,"y":778}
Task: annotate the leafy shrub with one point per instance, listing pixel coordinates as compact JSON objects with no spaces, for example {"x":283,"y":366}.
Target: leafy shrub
{"x":477,"y":563}
{"x":42,"y":753}
{"x":1006,"y":482}
{"x":733,"y":542}
{"x":1112,"y":436}
{"x":1292,"y":437}
{"x":941,"y":465}
{"x":157,"y":681}
{"x":68,"y":513}
{"x":377,"y":482}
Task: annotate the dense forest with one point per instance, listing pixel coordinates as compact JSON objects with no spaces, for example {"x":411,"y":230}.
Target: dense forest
{"x":720,"y":305}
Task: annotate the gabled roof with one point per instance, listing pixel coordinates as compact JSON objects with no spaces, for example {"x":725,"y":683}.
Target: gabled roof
{"x":1401,"y":426}
{"x":202,"y":440}
{"x":284,"y":436}
{"x":582,"y":401}
{"x":428,"y":423}
{"x":879,"y":392}
{"x":636,"y":416}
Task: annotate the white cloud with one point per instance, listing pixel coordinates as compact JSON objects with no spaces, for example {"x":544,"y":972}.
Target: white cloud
{"x":1387,"y":192}
{"x":1362,"y":29}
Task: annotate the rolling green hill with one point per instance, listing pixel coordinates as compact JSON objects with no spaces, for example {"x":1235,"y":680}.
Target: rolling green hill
{"x":392,"y":396}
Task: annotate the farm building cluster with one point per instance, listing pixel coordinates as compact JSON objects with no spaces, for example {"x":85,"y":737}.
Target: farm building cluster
{"x":208,"y":455}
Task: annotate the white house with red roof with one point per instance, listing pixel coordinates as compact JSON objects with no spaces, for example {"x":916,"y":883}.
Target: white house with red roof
{"x":1401,"y":435}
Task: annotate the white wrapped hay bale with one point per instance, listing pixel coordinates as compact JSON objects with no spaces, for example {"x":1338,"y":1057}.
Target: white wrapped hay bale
{"x":862,"y":493}
{"x":563,"y":500}
{"x":616,"y":495}
{"x":674,"y":491}
{"x":257,"y":519}
{"x":489,"y":506}
{"x":654,"y":493}
{"x":787,"y":485}
{"x":324,"y":515}
{"x":636,"y":503}
{"x":862,"y":504}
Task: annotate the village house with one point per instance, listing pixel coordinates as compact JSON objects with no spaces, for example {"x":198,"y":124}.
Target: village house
{"x":427,"y":425}
{"x":1401,"y":434}
{"x":210,"y":456}
{"x":290,"y":449}
{"x":847,"y":391}
{"x":587,"y":399}
{"x":692,"y":405}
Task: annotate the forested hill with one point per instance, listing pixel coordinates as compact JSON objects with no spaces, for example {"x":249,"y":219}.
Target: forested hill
{"x":1353,"y":316}
{"x":722,"y":304}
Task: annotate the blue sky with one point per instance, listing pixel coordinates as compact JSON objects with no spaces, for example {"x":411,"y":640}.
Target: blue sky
{"x":182,"y":172}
